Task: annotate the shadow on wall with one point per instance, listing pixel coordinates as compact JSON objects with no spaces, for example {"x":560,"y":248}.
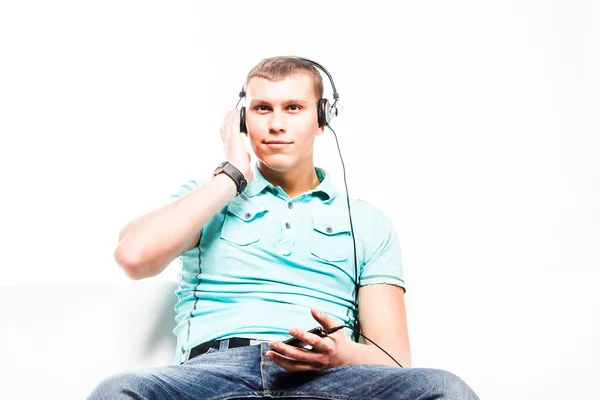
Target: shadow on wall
{"x":160,"y":331}
{"x":146,"y":310}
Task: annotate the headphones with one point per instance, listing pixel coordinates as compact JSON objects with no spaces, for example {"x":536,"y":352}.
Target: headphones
{"x":325,"y":111}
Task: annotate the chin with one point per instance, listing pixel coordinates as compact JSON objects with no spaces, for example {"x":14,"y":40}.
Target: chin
{"x":278,"y":162}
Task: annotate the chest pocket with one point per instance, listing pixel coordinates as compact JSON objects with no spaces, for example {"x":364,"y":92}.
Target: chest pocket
{"x":244,"y":222}
{"x":330,"y":238}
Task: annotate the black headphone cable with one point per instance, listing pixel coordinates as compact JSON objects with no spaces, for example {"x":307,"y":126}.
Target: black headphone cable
{"x":337,"y":328}
{"x":356,"y":327}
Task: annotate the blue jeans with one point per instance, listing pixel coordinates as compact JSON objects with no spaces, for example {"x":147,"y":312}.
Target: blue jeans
{"x":247,"y":373}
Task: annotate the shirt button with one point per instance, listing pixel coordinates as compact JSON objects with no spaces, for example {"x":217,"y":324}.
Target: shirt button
{"x":290,"y":205}
{"x":287,"y":225}
{"x":247,"y":215}
{"x":328,"y":229}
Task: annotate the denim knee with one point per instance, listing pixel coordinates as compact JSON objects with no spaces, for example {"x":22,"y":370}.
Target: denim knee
{"x":451,"y":387}
{"x":125,"y":385}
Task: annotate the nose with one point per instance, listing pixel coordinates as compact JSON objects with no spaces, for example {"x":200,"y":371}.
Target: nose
{"x":277,"y":122}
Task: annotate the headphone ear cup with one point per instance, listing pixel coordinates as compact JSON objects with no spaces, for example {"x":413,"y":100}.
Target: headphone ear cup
{"x":322,"y":112}
{"x":243,"y":128}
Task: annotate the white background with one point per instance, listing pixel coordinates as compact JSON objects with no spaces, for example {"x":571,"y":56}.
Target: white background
{"x":473,"y":125}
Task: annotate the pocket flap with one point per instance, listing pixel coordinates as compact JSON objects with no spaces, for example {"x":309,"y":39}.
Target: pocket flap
{"x":246,"y":210}
{"x":331,"y":226}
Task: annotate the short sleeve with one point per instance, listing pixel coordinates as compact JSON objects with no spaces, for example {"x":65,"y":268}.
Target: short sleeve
{"x":383,"y":257}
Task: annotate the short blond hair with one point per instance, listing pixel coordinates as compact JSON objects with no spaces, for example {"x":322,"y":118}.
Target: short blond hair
{"x":278,"y":68}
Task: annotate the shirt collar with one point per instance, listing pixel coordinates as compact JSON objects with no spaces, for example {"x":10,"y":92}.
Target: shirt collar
{"x":325,"y":189}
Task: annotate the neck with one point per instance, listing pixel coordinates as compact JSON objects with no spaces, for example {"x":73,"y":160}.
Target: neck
{"x":295,"y":181}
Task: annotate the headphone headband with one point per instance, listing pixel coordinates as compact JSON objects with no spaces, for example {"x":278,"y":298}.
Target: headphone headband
{"x":336,"y":95}
{"x":322,"y":68}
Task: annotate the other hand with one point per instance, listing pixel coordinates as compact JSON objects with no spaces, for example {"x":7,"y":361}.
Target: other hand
{"x":326,"y":352}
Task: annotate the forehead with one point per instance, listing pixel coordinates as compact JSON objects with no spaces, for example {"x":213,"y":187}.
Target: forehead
{"x":292,"y":87}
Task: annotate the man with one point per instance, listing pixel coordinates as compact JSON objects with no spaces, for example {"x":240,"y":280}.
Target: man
{"x":267,"y":254}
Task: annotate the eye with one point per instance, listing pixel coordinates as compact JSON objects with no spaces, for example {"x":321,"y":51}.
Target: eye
{"x":261,"y":107}
{"x":294,"y":107}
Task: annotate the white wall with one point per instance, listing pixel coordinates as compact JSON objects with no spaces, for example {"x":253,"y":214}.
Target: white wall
{"x":472,"y":124}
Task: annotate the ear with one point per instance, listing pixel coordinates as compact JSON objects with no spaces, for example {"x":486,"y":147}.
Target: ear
{"x":321,"y":131}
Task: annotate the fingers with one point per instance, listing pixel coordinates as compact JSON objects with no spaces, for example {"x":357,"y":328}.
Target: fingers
{"x":236,"y":116}
{"x":234,"y":145}
{"x":325,"y":345}
{"x":294,"y":359}
{"x":293,"y":365}
{"x":231,"y":116}
{"x":320,"y":347}
{"x":322,"y":318}
{"x":230,"y":126}
{"x":293,"y":352}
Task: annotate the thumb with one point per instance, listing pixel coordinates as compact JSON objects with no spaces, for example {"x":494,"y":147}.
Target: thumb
{"x":322,"y":318}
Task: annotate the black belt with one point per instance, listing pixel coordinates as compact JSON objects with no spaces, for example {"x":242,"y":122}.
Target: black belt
{"x":215,"y":344}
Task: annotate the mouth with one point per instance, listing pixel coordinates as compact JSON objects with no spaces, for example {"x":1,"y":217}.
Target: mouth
{"x":276,"y":142}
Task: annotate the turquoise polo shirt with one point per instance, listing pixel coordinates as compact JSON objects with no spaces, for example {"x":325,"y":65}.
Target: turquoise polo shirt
{"x":264,"y":259}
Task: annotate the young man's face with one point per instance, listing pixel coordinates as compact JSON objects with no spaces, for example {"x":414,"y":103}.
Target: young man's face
{"x":282,"y":121}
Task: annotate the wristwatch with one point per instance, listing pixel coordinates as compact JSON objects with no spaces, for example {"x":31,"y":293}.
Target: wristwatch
{"x":228,"y":169}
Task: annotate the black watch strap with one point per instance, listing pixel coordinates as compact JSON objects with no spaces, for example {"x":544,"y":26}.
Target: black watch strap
{"x":228,"y":169}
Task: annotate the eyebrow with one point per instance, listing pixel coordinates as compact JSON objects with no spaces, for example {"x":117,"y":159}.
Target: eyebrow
{"x":291,"y":101}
